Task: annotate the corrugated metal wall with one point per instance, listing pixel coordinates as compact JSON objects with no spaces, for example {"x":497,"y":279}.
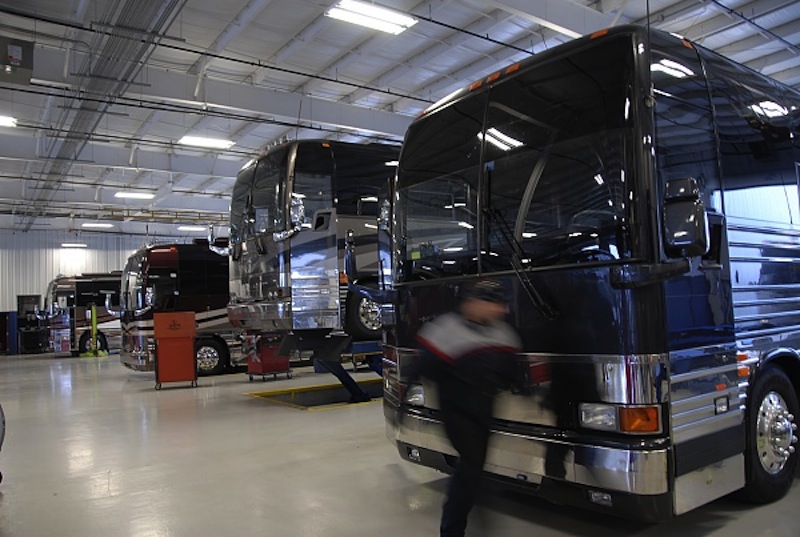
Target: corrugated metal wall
{"x":28,"y":261}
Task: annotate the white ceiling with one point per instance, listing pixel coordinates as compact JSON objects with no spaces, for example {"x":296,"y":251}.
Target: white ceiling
{"x":115,"y":84}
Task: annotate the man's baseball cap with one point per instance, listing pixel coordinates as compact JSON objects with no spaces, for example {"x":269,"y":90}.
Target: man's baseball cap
{"x":488,"y":290}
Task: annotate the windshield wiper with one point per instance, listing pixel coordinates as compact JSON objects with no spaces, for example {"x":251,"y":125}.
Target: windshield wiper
{"x":507,"y":236}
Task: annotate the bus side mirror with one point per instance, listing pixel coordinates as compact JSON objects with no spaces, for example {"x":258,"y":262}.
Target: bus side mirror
{"x":685,"y":225}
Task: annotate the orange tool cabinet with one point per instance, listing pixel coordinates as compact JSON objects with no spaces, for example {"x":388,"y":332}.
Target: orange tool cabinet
{"x":175,"y":357}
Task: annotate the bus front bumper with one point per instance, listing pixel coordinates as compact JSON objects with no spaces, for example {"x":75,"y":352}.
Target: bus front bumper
{"x":609,"y":479}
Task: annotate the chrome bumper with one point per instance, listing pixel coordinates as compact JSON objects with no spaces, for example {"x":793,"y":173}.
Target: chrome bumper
{"x":524,"y":458}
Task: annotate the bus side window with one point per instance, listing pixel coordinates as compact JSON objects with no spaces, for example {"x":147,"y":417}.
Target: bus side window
{"x":756,"y":149}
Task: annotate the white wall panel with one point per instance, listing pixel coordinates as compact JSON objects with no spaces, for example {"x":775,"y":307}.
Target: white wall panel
{"x":28,"y":261}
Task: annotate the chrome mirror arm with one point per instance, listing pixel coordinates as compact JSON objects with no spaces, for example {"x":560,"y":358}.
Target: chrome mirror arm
{"x":110,"y":308}
{"x":219,"y":250}
{"x":47,"y":314}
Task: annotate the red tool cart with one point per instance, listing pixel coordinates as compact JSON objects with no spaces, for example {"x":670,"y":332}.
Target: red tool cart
{"x":265,"y":360}
{"x":175,"y":357}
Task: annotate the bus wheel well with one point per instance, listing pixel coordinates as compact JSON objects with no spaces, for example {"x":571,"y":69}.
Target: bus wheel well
{"x":362,"y":316}
{"x":789,"y":363}
{"x":771,"y":449}
{"x":85,"y":342}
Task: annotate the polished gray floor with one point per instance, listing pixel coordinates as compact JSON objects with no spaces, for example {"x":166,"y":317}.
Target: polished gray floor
{"x":92,"y":449}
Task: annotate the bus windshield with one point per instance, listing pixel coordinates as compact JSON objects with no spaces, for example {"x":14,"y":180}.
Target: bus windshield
{"x":257,"y":204}
{"x":132,"y":293}
{"x":532,"y":170}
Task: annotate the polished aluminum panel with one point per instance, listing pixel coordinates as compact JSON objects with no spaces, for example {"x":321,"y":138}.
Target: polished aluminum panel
{"x":695,"y":488}
{"x":706,"y":393}
{"x":274,"y":315}
{"x":315,"y":298}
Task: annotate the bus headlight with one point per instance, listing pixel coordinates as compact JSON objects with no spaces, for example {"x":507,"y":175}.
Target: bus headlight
{"x":596,"y":416}
{"x":643,"y":419}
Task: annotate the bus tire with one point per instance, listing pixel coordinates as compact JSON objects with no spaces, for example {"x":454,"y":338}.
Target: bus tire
{"x":770,"y":464}
{"x":85,"y":342}
{"x":212,"y":356}
{"x":362,"y":318}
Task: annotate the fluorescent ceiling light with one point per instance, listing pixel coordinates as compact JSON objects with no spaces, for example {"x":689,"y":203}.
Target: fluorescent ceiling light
{"x":371,"y":16}
{"x":192,"y":228}
{"x":8,"y":121}
{"x":103,"y":225}
{"x":210,"y":143}
{"x":73,"y":245}
{"x":135,"y":195}
{"x":393,"y":163}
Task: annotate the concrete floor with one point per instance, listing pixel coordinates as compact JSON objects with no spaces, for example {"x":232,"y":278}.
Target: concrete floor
{"x":92,"y":449}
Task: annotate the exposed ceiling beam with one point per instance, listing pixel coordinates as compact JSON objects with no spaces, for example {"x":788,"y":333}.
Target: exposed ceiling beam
{"x":563,"y":16}
{"x":259,"y":102}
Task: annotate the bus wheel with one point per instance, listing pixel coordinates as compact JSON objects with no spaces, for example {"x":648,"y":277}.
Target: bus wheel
{"x":85,"y":342}
{"x":362,"y":318}
{"x":212,"y":357}
{"x":771,"y":455}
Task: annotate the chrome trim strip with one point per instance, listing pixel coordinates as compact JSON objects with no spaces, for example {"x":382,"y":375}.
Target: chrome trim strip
{"x":712,"y":424}
{"x":747,"y":334}
{"x":685,"y":404}
{"x":692,"y":375}
{"x":767,"y":302}
{"x":764,"y":316}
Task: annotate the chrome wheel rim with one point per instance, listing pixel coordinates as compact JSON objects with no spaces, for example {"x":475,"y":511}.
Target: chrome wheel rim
{"x":774,"y":433}
{"x":369,"y":313}
{"x":207,"y":358}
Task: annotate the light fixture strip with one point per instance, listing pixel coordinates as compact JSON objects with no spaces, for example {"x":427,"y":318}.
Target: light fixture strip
{"x":8,"y":121}
{"x":371,"y":16}
{"x":135,"y":195}
{"x":209,"y":143}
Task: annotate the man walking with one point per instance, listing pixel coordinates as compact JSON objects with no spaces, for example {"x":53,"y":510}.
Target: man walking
{"x":469,"y":354}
